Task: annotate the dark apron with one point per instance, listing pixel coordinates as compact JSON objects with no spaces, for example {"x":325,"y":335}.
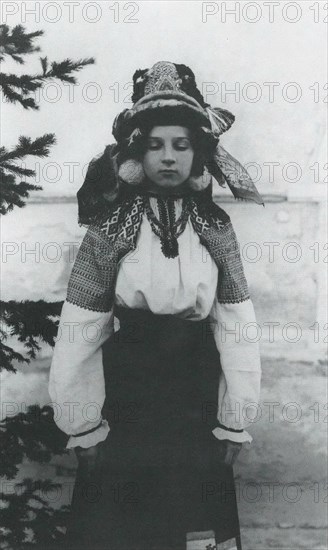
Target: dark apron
{"x":163,"y":476}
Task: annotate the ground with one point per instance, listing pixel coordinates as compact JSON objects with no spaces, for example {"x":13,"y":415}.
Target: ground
{"x":282,"y":477}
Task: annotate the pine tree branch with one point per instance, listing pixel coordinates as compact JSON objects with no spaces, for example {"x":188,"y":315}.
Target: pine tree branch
{"x":12,"y":193}
{"x":30,"y":320}
{"x":8,"y":356}
{"x":13,"y":97}
{"x":24,"y":509}
{"x":14,"y":169}
{"x":26,"y":83}
{"x":18,"y":88}
{"x":39,"y":147}
{"x":33,"y":434}
{"x":17,"y":42}
{"x":63,"y":69}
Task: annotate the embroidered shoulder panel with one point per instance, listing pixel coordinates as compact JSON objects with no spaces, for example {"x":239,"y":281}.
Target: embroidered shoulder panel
{"x":124,"y":221}
{"x":216,"y":233}
{"x":93,"y":277}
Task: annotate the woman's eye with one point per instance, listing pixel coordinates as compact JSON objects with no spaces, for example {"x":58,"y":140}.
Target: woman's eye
{"x":182,"y":145}
{"x":154,"y":146}
{"x":178,"y":146}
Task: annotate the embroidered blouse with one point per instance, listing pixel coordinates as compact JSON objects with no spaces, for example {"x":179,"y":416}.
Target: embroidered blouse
{"x":185,"y":286}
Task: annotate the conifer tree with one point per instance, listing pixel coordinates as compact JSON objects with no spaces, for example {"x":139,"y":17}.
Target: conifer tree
{"x":27,"y":519}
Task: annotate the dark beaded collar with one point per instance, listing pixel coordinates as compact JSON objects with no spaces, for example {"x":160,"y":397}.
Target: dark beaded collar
{"x":167,"y":228}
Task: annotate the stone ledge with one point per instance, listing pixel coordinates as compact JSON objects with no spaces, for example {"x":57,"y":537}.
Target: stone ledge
{"x":267,"y":198}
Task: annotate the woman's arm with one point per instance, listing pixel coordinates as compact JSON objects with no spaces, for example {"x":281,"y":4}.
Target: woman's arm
{"x":232,"y":315}
{"x":76,"y":384}
{"x":239,"y":387}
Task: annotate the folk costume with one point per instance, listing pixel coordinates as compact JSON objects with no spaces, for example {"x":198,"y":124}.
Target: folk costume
{"x":145,"y":360}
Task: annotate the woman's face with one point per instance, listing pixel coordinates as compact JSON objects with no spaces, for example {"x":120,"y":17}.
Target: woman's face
{"x":169,"y":155}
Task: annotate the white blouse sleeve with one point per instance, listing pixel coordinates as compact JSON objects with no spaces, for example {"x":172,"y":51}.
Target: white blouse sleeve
{"x":239,"y":386}
{"x":76,"y":383}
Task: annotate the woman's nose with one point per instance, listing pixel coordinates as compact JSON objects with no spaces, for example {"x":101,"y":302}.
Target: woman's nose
{"x":168,"y":157}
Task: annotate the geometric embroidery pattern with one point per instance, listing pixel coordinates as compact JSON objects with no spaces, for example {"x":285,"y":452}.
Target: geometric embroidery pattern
{"x":125,"y":221}
{"x":223,"y":247}
{"x":93,"y":277}
{"x":216,"y":233}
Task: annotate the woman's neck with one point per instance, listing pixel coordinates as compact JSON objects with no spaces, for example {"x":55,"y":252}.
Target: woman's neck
{"x":150,"y":188}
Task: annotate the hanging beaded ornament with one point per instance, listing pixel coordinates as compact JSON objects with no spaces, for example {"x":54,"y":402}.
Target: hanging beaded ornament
{"x":166,"y":227}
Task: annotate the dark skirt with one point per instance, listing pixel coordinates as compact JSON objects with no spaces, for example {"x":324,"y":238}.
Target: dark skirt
{"x":163,"y":476}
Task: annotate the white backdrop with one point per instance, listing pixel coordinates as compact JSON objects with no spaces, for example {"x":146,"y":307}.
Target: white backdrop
{"x":273,"y":54}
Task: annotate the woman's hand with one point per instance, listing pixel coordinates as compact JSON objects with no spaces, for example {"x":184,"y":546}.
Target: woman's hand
{"x":229,"y":451}
{"x":92,"y":458}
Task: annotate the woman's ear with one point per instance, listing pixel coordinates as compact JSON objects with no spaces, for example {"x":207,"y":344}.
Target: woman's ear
{"x":131,"y":171}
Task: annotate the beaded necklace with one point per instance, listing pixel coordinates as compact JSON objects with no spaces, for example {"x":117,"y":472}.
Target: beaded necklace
{"x":166,"y":227}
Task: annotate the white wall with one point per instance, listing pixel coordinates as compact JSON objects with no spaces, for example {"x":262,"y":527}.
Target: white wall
{"x":221,"y":50}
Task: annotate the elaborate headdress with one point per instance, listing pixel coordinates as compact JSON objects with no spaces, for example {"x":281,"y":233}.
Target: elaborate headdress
{"x":167,"y":92}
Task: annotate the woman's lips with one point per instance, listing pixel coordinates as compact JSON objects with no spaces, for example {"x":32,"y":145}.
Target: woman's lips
{"x":168,"y":171}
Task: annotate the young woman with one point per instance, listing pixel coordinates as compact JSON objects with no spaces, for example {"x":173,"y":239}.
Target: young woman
{"x":155,"y":407}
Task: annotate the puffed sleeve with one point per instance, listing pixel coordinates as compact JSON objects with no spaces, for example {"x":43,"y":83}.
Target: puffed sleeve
{"x":234,"y":327}
{"x":239,"y":386}
{"x":76,"y":383}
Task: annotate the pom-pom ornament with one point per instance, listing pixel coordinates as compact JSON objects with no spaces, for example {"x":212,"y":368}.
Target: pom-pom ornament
{"x":201,"y":182}
{"x":131,"y":171}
